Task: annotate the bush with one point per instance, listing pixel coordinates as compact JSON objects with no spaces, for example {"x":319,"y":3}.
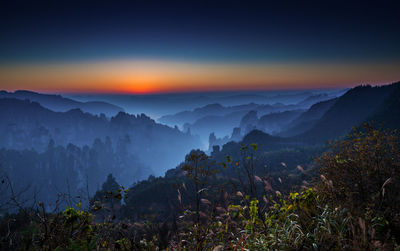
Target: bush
{"x":362,"y":174}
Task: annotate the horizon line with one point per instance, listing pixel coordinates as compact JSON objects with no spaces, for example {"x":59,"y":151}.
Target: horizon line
{"x":125,"y":93}
{"x":199,"y":91}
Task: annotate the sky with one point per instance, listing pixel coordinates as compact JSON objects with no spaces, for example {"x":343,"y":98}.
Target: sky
{"x":144,"y":47}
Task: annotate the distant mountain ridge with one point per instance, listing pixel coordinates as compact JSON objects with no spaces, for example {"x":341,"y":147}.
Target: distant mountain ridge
{"x":216,"y":109}
{"x":25,"y":125}
{"x":388,"y":113}
{"x":59,"y":103}
{"x":274,"y":122}
{"x":377,"y":105}
{"x":334,"y":118}
{"x":307,"y":119}
{"x":221,"y":120}
{"x":356,"y":106}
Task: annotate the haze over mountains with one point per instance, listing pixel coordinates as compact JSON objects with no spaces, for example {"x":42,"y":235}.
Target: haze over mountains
{"x":220,"y":120}
{"x":289,"y":157}
{"x":199,"y":125}
{"x":76,"y":150}
{"x":358,"y":105}
{"x":158,"y":105}
{"x":28,"y":125}
{"x":61,"y":104}
{"x":85,"y":141}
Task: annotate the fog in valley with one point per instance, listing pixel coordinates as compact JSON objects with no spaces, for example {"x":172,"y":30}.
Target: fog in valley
{"x":68,"y":144}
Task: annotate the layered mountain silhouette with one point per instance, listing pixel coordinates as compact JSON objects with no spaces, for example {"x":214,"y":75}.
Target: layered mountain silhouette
{"x":356,"y":106}
{"x":307,"y":119}
{"x":388,"y":113}
{"x":270,"y":123}
{"x":27,"y":125}
{"x":61,"y":104}
{"x":50,"y":149}
{"x":216,"y":118}
{"x":216,"y":109}
{"x":220,"y":120}
{"x":333,"y":118}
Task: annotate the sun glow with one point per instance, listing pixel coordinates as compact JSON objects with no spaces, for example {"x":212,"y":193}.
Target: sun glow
{"x":145,"y":76}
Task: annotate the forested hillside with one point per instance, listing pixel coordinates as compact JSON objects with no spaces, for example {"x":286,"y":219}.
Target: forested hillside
{"x":72,"y":152}
{"x":247,"y":203}
{"x":351,"y":109}
{"x":199,"y":125}
{"x":260,"y":191}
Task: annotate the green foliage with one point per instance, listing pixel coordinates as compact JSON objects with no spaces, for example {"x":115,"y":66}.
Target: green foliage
{"x":362,"y":174}
{"x":253,"y":211}
{"x":353,"y":206}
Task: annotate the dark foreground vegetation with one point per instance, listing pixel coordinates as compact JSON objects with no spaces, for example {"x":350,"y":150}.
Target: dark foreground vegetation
{"x":349,"y":200}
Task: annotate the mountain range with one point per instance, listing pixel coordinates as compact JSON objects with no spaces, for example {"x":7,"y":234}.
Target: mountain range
{"x":27,"y":125}
{"x":59,"y":103}
{"x":53,"y":150}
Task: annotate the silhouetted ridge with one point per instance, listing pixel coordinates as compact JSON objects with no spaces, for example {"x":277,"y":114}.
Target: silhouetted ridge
{"x":388,"y":113}
{"x":126,"y":119}
{"x":60,"y":104}
{"x":309,"y":101}
{"x":350,"y":110}
{"x":26,"y":125}
{"x":257,"y":136}
{"x":210,"y":108}
{"x":308,"y":119}
{"x":264,"y":140}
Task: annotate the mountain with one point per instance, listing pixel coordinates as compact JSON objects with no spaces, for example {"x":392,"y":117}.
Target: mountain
{"x":221,"y":119}
{"x":249,"y":121}
{"x":271,"y":123}
{"x":220,"y":125}
{"x":311,"y":100}
{"x":60,"y":104}
{"x":218,"y":119}
{"x":181,"y":118}
{"x":307,"y":119}
{"x":158,"y":105}
{"x":189,"y":117}
{"x":26,"y":125}
{"x":353,"y":108}
{"x":69,"y":170}
{"x":330,"y":119}
{"x":388,"y":113}
{"x":274,"y":122}
{"x":264,"y":139}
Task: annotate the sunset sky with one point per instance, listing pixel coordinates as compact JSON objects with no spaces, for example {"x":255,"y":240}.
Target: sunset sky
{"x":148,"y":47}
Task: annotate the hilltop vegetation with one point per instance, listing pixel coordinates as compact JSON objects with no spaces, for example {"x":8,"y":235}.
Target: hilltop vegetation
{"x":353,"y":205}
{"x":351,"y":109}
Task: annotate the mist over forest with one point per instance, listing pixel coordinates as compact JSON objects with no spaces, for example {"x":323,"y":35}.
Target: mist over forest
{"x":199,"y":125}
{"x":51,"y":144}
{"x":89,"y":152}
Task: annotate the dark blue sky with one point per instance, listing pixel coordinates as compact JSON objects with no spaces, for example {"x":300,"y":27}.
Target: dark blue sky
{"x":227,"y":31}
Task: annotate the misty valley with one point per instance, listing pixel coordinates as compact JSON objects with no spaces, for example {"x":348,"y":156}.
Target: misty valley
{"x":238,"y":160}
{"x":53,"y":143}
{"x":199,"y":125}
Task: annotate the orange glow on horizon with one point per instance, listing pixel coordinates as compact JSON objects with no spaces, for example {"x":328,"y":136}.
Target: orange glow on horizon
{"x":147,"y":77}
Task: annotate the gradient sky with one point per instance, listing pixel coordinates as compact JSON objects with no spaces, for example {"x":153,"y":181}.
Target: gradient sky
{"x":147,"y":47}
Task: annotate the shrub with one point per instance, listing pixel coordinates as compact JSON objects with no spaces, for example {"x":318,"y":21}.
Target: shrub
{"x":362,"y":173}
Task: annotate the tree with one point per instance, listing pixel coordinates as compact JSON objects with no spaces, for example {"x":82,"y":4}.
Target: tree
{"x":198,"y":169}
{"x":109,"y":197}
